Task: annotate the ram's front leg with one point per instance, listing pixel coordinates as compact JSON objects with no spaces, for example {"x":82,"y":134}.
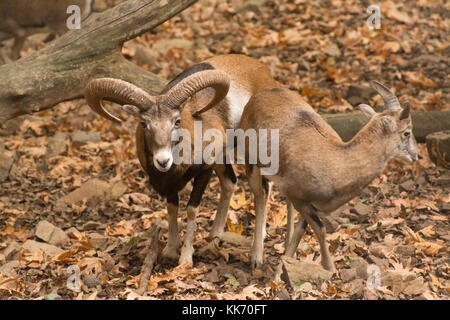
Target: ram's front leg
{"x":170,"y":251}
{"x":199,"y":186}
{"x":227,"y":182}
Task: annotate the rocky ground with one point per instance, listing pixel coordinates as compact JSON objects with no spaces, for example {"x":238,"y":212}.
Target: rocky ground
{"x":73,"y":196}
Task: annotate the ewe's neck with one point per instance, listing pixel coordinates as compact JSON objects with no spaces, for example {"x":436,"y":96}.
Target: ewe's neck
{"x":364,"y":157}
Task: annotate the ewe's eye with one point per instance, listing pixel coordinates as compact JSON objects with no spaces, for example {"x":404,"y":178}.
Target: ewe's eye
{"x":406,"y":133}
{"x":143,"y":124}
{"x":177,"y":122}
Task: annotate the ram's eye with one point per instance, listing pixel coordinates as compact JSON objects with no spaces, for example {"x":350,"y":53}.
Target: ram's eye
{"x":143,"y":124}
{"x":177,"y":122}
{"x":406,"y":133}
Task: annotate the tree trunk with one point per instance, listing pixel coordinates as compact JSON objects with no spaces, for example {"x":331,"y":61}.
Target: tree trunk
{"x":424,"y":123}
{"x":61,"y":71}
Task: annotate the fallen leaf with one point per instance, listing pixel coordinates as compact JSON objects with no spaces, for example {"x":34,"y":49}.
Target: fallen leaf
{"x":418,"y":79}
{"x":231,"y":227}
{"x":123,"y":228}
{"x":242,"y":202}
{"x":428,"y":231}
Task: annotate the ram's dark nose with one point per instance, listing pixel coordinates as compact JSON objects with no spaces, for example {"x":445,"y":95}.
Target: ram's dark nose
{"x":163,"y":163}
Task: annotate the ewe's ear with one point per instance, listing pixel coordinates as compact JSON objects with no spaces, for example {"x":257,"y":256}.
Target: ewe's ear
{"x":388,"y":124}
{"x":133,"y":110}
{"x":367,"y":110}
{"x":405,"y":112}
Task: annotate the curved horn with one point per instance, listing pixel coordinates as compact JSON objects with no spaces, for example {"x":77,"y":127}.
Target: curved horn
{"x":390,"y":100}
{"x":115,"y":90}
{"x":216,"y":79}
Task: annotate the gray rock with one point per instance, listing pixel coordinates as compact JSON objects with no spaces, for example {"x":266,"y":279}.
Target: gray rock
{"x":248,"y":5}
{"x":12,"y":251}
{"x":379,"y":250}
{"x":72,"y":232}
{"x":357,"y":286}
{"x":56,"y":144}
{"x":162,"y":46}
{"x":348,"y":274}
{"x":94,"y":191}
{"x":142,"y":54}
{"x":6,"y":161}
{"x":50,"y":233}
{"x":408,"y":185}
{"x":398,"y":280}
{"x":438,"y":146}
{"x":294,"y":271}
{"x":97,"y":240}
{"x":357,"y":94}
{"x":83,"y":137}
{"x":48,"y":249}
{"x":236,"y":239}
{"x":415,"y":287}
{"x":360,"y":265}
{"x":8,"y":269}
{"x":405,"y":250}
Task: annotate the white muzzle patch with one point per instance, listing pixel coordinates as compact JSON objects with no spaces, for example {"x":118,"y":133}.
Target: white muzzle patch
{"x":163,"y":160}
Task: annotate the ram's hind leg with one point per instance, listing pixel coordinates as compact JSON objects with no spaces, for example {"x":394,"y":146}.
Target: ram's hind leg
{"x":199,"y":186}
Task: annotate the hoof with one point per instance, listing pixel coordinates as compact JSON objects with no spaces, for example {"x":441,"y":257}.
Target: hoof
{"x":169,"y":255}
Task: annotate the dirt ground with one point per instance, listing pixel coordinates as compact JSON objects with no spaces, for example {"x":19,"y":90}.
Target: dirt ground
{"x":74,"y":197}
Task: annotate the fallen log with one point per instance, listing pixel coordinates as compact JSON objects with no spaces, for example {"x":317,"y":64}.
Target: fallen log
{"x":424,"y":123}
{"x":61,"y":71}
{"x":438,"y":146}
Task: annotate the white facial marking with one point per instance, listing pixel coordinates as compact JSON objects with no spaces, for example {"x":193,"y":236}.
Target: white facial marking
{"x":162,"y":159}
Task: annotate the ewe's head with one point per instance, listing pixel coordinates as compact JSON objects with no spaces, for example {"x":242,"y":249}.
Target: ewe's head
{"x":395,"y":123}
{"x":160,"y":115}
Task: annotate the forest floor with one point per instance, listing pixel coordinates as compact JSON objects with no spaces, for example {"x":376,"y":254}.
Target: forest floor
{"x":399,"y":223}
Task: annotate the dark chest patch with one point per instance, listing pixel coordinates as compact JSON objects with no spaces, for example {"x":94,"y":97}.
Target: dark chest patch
{"x":174,"y":180}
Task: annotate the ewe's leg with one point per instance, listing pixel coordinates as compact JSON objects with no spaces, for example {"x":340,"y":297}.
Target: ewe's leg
{"x":290,"y":222}
{"x":199,"y":186}
{"x":320,"y":231}
{"x":261,"y":190}
{"x":170,"y":250}
{"x":227,"y":182}
{"x":299,"y":231}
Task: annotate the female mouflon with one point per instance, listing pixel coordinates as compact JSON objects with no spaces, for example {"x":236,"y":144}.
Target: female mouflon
{"x":318,"y":172}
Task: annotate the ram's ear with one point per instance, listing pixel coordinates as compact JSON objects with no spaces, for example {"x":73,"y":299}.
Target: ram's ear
{"x":133,"y":110}
{"x":367,"y":110}
{"x":388,"y":124}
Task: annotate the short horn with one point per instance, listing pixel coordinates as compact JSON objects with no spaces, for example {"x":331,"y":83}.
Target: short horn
{"x":216,"y":79}
{"x":118,"y":91}
{"x":390,"y":100}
